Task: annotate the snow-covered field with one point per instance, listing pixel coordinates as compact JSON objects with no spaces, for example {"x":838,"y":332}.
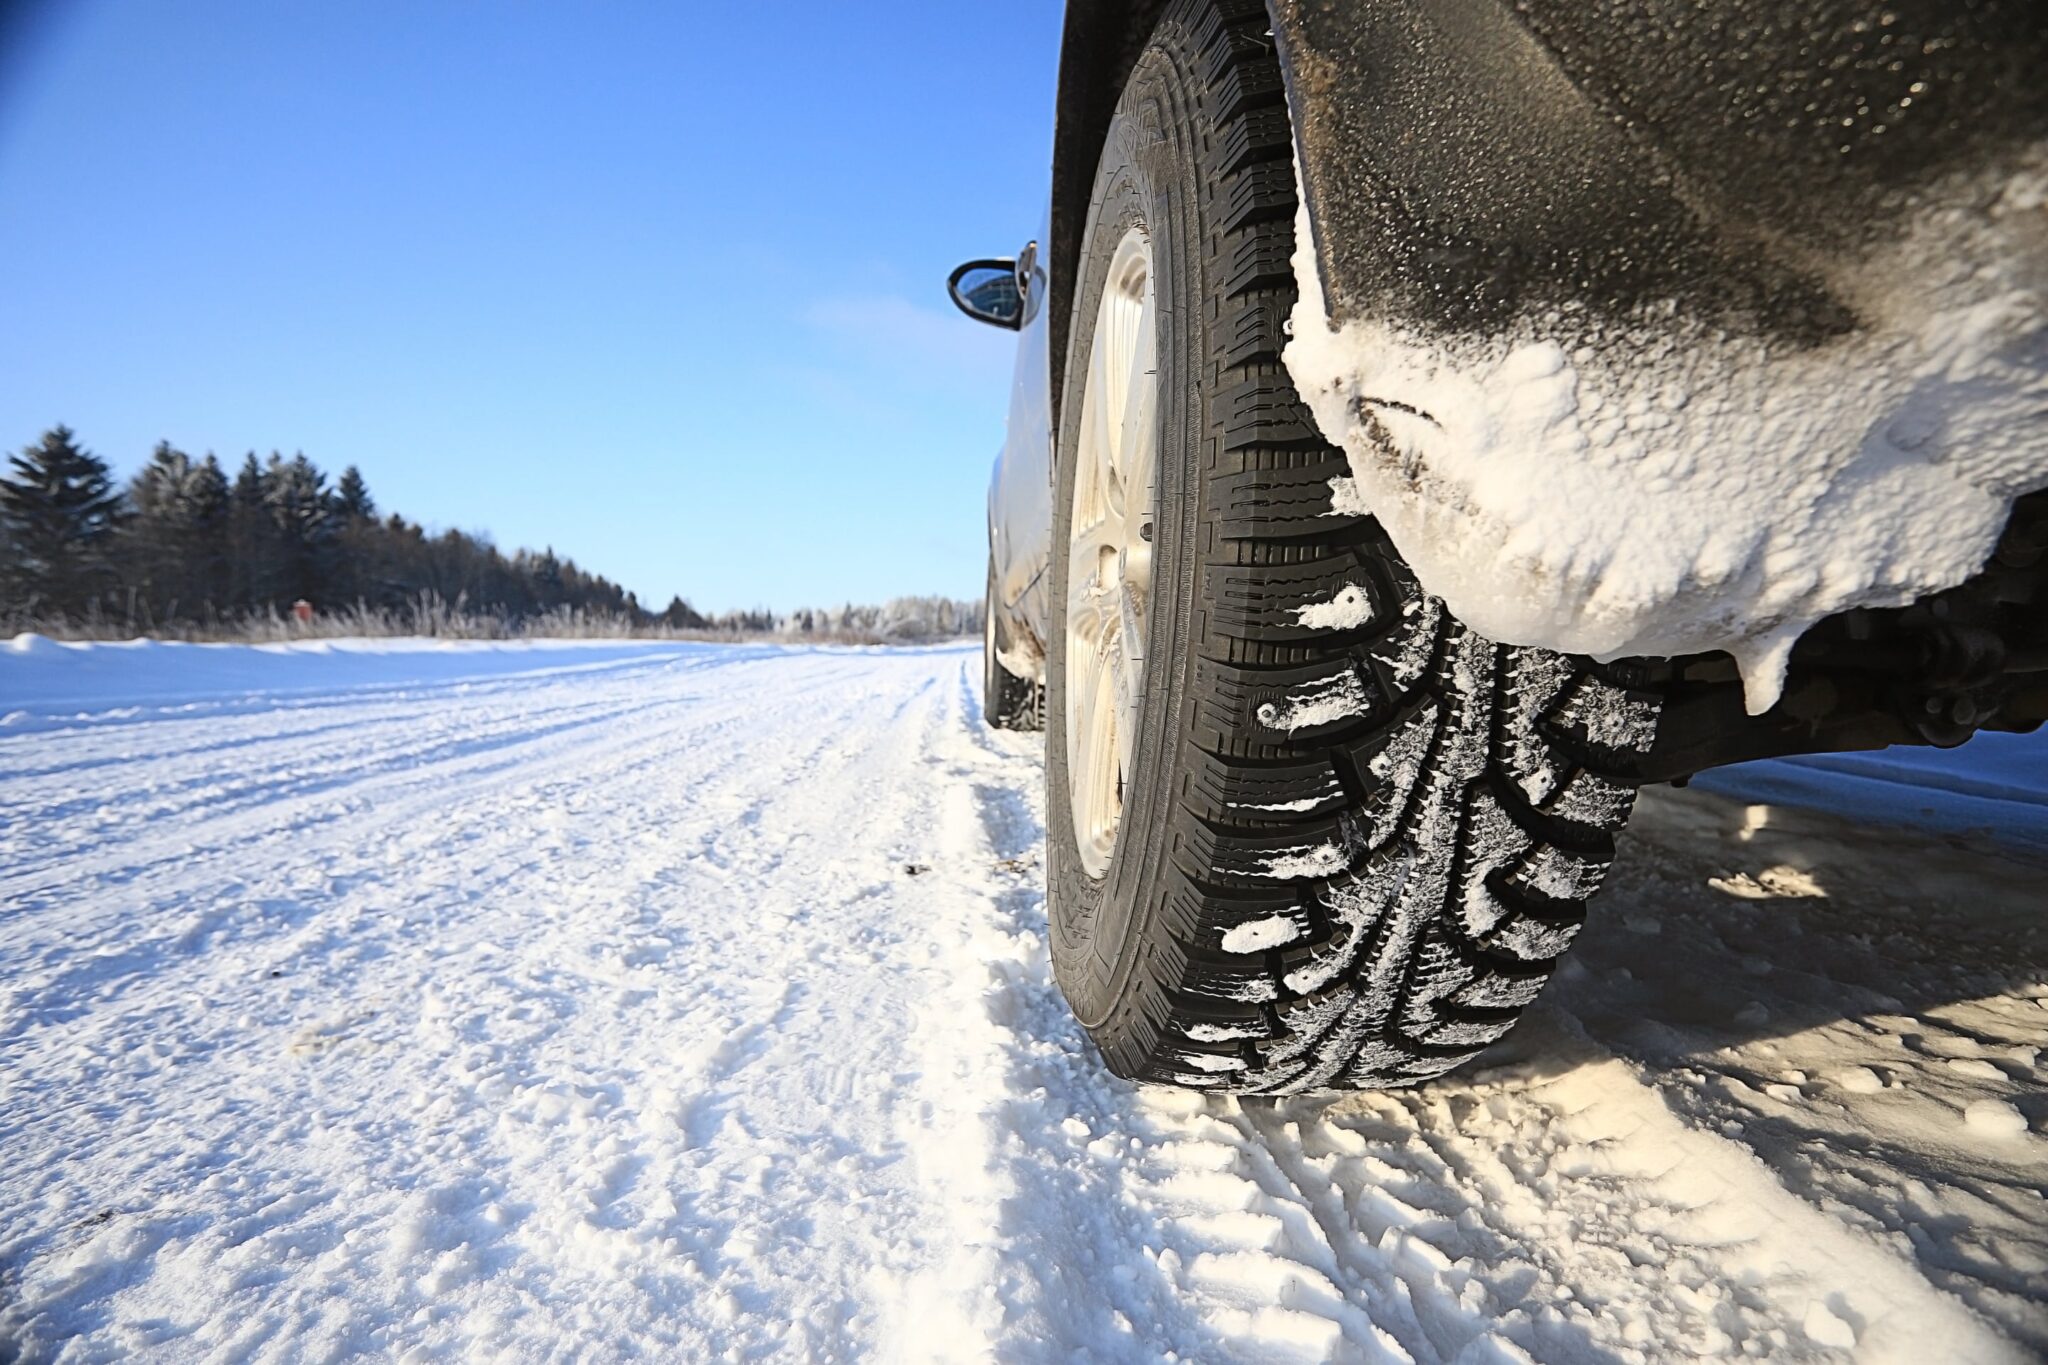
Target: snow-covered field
{"x":690,"y":1002}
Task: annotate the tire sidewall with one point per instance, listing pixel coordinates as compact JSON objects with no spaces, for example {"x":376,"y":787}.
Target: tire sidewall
{"x":1147,"y":178}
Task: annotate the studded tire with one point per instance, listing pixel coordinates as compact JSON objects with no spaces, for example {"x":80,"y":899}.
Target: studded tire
{"x":1355,"y":836}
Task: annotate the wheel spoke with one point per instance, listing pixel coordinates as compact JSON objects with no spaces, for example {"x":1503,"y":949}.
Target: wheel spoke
{"x":1138,"y":436}
{"x":1104,"y":424}
{"x":1094,"y":756}
{"x":1109,"y":552}
{"x":1116,"y":366}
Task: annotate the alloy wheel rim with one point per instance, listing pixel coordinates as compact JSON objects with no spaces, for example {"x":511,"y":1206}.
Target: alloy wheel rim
{"x":1109,"y":552}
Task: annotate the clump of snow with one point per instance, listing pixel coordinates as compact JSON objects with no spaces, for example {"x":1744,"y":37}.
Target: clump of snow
{"x":1222,"y":1033}
{"x":1255,"y":936}
{"x":1321,"y":860}
{"x":1994,"y":1118}
{"x":1305,"y":803}
{"x":1827,"y":1327}
{"x":1348,"y":607}
{"x":1977,"y":1067}
{"x":1671,"y":488}
{"x":1322,"y":704}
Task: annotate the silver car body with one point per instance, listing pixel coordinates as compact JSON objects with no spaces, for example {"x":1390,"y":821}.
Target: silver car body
{"x":1020,"y":490}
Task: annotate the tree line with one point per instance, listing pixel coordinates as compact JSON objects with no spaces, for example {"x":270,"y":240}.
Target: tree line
{"x":185,"y":544}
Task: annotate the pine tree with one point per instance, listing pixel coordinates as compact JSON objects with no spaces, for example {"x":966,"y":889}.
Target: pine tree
{"x":61,"y":509}
{"x":253,"y":550}
{"x":208,"y":571}
{"x":302,"y":510}
{"x":352,"y":499}
{"x":358,"y":570}
{"x":176,"y":541}
{"x":549,"y":587}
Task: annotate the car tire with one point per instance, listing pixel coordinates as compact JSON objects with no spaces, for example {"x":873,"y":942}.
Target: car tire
{"x":1351,"y":837}
{"x":1008,"y":702}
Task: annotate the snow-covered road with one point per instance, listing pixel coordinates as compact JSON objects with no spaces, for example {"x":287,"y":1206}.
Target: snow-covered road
{"x":690,"y":1002}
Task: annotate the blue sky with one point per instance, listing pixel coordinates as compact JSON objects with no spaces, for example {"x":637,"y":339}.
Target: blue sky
{"x":660,"y":285}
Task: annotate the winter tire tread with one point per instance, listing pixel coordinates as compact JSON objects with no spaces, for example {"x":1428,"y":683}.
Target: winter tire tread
{"x":1381,"y":829}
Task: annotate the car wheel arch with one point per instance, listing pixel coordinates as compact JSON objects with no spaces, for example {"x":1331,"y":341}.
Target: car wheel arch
{"x":1099,"y":45}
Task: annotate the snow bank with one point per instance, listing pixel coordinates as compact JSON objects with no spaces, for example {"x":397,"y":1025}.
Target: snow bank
{"x":1673,"y":488}
{"x":1994,"y":787}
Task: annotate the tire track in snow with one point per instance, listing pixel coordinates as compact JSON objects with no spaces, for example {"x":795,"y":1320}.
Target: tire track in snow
{"x":1111,"y":1221}
{"x":389,"y":744}
{"x":637,"y":789}
{"x":390,"y":787}
{"x":1566,"y":1206}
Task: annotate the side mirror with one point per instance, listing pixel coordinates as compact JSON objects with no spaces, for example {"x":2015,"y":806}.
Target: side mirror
{"x":987,"y":292}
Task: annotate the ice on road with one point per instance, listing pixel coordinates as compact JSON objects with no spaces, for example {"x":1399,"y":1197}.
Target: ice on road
{"x":688,"y":1002}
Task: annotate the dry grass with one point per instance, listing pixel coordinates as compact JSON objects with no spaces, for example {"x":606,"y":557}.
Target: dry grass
{"x":429,"y":616}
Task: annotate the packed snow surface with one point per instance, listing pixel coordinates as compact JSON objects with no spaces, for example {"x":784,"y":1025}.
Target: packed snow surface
{"x":1668,"y":488}
{"x":685,"y":1002}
